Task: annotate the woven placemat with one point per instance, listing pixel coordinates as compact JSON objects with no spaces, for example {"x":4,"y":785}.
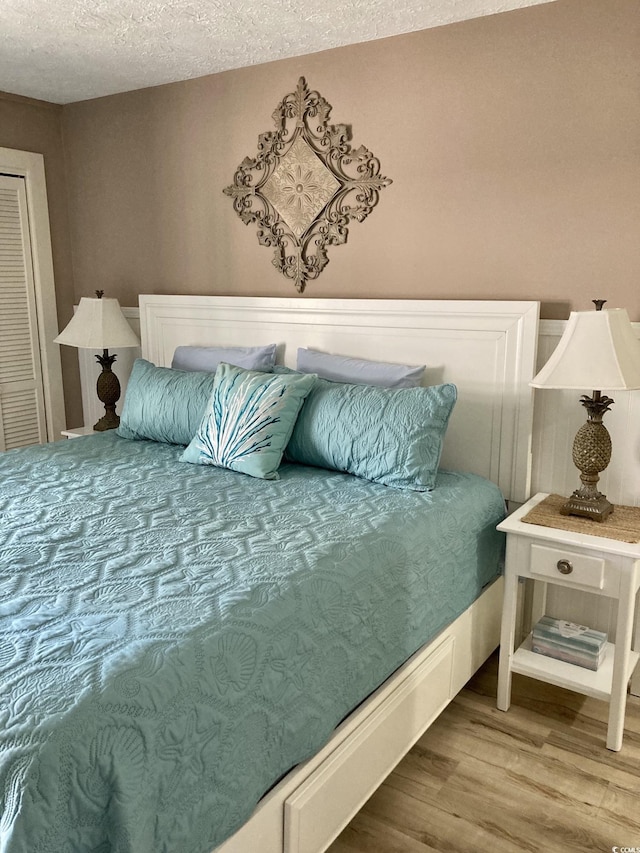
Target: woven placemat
{"x":623,"y":524}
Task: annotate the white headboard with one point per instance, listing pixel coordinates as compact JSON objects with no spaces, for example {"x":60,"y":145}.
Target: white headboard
{"x":487,"y":349}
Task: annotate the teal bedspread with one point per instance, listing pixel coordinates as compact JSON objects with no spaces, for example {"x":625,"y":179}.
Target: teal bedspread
{"x":174,"y":638}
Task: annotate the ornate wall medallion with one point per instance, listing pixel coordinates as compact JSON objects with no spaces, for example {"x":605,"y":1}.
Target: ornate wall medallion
{"x":305,"y":185}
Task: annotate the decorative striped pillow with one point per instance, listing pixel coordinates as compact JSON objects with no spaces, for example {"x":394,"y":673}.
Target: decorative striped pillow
{"x":249,"y":420}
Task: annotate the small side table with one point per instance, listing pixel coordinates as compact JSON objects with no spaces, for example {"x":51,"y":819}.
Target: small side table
{"x":595,"y":564}
{"x":76,"y":432}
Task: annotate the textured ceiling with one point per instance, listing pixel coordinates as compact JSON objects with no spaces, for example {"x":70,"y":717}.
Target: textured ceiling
{"x":70,"y":50}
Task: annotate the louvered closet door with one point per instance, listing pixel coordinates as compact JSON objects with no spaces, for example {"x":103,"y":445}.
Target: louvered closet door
{"x":22,"y":418}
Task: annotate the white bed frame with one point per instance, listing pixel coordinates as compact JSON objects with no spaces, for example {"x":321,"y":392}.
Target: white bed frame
{"x":488,"y":350}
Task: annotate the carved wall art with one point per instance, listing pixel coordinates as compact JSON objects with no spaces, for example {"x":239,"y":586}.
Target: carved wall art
{"x":305,"y":185}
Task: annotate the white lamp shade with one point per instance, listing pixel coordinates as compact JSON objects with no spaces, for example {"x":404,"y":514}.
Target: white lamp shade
{"x":598,"y":350}
{"x":98,"y":324}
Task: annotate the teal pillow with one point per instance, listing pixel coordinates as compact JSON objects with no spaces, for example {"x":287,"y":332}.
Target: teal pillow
{"x":248,"y":421}
{"x":162,"y":404}
{"x":389,"y":436}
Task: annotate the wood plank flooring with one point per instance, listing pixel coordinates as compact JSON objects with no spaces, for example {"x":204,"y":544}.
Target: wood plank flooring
{"x":537,"y":778}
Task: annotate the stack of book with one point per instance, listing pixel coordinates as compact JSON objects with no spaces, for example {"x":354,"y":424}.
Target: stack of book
{"x":569,"y":642}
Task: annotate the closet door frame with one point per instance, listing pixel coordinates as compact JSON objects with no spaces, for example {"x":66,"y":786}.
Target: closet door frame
{"x":30,"y":166}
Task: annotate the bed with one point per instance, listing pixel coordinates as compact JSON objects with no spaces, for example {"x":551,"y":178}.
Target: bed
{"x":194,"y":659}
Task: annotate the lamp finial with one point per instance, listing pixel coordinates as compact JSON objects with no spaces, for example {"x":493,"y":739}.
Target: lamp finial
{"x":99,"y":293}
{"x":598,"y":303}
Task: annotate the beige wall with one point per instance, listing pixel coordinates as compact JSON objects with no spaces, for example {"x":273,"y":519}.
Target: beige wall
{"x":512,"y":142}
{"x":30,"y":125}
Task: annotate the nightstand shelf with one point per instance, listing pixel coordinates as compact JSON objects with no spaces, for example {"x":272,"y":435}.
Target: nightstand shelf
{"x":595,"y":684}
{"x":592,"y":563}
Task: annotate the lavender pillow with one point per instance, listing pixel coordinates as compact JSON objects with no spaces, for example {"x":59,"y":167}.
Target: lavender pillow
{"x":208,"y":358}
{"x":341,"y":368}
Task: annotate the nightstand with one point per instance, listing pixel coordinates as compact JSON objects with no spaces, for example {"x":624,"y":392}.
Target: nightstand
{"x":596,"y":564}
{"x":78,"y":431}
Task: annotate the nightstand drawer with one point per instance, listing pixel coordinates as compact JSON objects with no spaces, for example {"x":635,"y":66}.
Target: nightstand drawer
{"x":558,"y":563}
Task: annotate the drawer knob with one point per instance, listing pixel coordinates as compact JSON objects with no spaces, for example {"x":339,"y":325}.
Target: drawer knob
{"x":565,"y":567}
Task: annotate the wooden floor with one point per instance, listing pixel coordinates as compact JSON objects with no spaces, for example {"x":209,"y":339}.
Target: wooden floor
{"x":537,"y":778}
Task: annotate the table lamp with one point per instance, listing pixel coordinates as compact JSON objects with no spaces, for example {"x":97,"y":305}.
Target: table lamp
{"x":598,"y":349}
{"x":100,"y":324}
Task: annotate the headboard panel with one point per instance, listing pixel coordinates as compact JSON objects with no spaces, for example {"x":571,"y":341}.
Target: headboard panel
{"x":487,"y":349}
